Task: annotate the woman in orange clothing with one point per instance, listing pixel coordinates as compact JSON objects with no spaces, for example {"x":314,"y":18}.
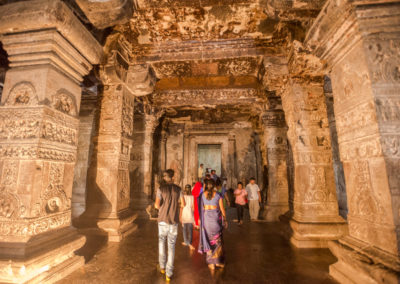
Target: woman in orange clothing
{"x":196,"y":193}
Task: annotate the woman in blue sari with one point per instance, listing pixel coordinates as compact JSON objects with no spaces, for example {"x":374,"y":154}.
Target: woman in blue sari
{"x":213,"y":219}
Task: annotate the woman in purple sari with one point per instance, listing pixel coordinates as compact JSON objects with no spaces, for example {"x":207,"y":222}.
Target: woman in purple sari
{"x":213,"y":218}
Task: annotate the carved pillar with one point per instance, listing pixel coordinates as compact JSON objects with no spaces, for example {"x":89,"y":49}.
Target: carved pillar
{"x":163,"y":151}
{"x":232,"y":175}
{"x":275,"y":142}
{"x":49,"y":52}
{"x":316,"y":217}
{"x":108,"y":192}
{"x":151,"y":122}
{"x":186,"y":160}
{"x":363,"y":55}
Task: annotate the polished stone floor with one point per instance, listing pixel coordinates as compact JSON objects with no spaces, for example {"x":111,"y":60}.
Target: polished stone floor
{"x":255,"y":253}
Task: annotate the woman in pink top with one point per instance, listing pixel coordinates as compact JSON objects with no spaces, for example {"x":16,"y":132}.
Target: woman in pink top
{"x":240,"y":200}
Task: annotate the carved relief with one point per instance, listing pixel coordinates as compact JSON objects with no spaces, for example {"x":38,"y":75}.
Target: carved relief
{"x":64,"y":102}
{"x":10,"y":205}
{"x":22,"y":94}
{"x":54,"y":198}
{"x":17,"y":128}
{"x":237,"y":67}
{"x":127,"y":117}
{"x":57,"y":133}
{"x":384,"y":59}
{"x":363,"y":202}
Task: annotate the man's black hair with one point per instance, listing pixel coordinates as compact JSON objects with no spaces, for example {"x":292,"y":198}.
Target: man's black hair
{"x":170,"y":173}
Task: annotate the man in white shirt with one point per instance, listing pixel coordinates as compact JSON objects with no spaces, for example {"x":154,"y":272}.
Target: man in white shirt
{"x":254,"y":197}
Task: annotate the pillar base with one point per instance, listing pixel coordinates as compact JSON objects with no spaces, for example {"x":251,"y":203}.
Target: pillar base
{"x":359,"y":262}
{"x":273,"y":212}
{"x":116,"y":228}
{"x":316,"y":234}
{"x":49,"y":258}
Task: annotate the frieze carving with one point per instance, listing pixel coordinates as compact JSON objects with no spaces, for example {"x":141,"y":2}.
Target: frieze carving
{"x":30,"y":152}
{"x":58,"y":133}
{"x":22,"y":94}
{"x":64,"y":102}
{"x":13,"y":128}
{"x":10,"y":174}
{"x":238,"y":67}
{"x":388,"y":109}
{"x":361,"y":149}
{"x":205,"y":96}
{"x":10,"y":205}
{"x":123,"y":187}
{"x":26,"y":227}
{"x":391,"y":145}
{"x":314,"y":157}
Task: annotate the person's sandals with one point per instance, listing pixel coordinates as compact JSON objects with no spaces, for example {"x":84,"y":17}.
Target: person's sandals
{"x":167,"y":278}
{"x":191,"y":247}
{"x":211,"y":266}
{"x":184,"y":244}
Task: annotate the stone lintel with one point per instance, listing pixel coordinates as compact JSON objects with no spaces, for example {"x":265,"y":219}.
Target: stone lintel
{"x":37,"y":15}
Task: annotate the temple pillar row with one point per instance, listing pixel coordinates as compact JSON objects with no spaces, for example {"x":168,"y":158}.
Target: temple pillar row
{"x":151,"y":123}
{"x":49,"y":52}
{"x":316,"y":217}
{"x":275,"y":143}
{"x":363,"y":58}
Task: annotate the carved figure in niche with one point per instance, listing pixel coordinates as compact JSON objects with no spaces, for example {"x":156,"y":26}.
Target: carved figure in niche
{"x":176,"y":165}
{"x":9,"y":205}
{"x":22,"y":93}
{"x":64,"y":102}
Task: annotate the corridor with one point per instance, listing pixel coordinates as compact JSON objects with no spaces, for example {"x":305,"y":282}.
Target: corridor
{"x":255,"y":253}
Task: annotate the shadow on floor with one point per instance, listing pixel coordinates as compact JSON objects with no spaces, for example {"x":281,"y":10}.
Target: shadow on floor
{"x":255,"y":253}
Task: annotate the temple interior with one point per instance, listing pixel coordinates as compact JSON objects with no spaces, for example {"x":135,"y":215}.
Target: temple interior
{"x":98,"y":98}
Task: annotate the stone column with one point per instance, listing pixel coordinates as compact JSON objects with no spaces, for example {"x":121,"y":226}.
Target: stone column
{"x":362,"y":49}
{"x":151,"y":122}
{"x":163,"y":150}
{"x":108,"y":190}
{"x":275,"y":142}
{"x":49,"y":52}
{"x":316,"y":217}
{"x":186,"y":161}
{"x":232,"y":175}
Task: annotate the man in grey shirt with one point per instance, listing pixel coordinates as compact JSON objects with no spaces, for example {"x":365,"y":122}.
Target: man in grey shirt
{"x":254,"y":197}
{"x":170,"y":202}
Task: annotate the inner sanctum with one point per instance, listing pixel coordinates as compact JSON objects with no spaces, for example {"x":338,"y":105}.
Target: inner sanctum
{"x":99,"y":98}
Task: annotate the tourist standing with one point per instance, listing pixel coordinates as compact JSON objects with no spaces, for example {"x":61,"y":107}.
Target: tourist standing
{"x":200,"y":172}
{"x":254,"y":197}
{"x":240,"y":201}
{"x":213,"y":219}
{"x":170,"y":203}
{"x":187,"y":217}
{"x":214,"y":175}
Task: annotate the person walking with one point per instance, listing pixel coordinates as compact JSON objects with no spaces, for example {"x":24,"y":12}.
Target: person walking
{"x":170,"y":203}
{"x":213,"y":219}
{"x":187,"y":217}
{"x":240,"y":201}
{"x":200,"y":172}
{"x":254,"y":197}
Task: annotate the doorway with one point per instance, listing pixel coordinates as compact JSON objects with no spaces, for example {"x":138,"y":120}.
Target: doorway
{"x":210,"y":156}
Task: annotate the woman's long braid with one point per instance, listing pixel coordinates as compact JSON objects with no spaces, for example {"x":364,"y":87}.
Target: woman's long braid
{"x":209,"y":195}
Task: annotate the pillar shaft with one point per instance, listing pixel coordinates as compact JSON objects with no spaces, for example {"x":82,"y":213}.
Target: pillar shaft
{"x":316,"y":217}
{"x":151,"y":122}
{"x":275,"y":142}
{"x":364,"y":62}
{"x":38,"y":138}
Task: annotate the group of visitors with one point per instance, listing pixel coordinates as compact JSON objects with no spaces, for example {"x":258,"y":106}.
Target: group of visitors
{"x":202,"y":207}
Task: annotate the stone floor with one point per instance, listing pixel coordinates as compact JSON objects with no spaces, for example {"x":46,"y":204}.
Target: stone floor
{"x":255,"y":253}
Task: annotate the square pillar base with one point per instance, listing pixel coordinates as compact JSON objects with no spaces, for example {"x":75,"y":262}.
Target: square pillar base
{"x":359,"y":262}
{"x":116,"y":228}
{"x":316,"y":234}
{"x":273,"y":212}
{"x":50,"y":262}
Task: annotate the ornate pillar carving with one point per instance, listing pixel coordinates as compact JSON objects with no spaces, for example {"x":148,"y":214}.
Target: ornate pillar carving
{"x":275,"y":143}
{"x":151,"y":123}
{"x":362,"y":50}
{"x":186,"y":161}
{"x":49,"y":52}
{"x":163,"y":151}
{"x":316,"y":217}
{"x":232,"y":173}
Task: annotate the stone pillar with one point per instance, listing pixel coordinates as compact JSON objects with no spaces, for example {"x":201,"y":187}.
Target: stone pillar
{"x":232,"y":175}
{"x":49,"y":52}
{"x":108,"y":189}
{"x":163,"y":150}
{"x":187,"y":179}
{"x":275,"y":142}
{"x":362,"y":49}
{"x":151,"y":122}
{"x":316,"y":217}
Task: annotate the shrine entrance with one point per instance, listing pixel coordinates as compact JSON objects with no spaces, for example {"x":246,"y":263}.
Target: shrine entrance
{"x":210,"y":156}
